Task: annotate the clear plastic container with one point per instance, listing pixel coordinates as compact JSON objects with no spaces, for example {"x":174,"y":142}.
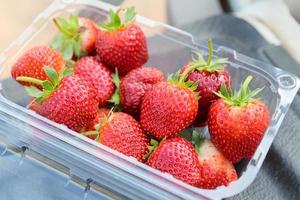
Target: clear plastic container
{"x":94,"y":166}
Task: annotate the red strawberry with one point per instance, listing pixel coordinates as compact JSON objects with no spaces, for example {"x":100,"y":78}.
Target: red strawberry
{"x":122,"y":45}
{"x":33,"y":61}
{"x":98,"y":75}
{"x":177,"y":157}
{"x":135,"y":84}
{"x":77,"y":36}
{"x":169,"y":107}
{"x":94,"y":125}
{"x":122,"y":133}
{"x":237,"y":122}
{"x":215,"y":169}
{"x":210,"y":75}
{"x":65,"y":99}
{"x":88,"y":36}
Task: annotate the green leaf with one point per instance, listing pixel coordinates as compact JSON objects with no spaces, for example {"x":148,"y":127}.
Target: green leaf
{"x":77,"y":48}
{"x":48,"y":86}
{"x":33,"y":91}
{"x":52,"y":74}
{"x":186,"y":134}
{"x":73,"y":24}
{"x":115,"y":21}
{"x":153,"y":145}
{"x":67,"y":71}
{"x":39,"y":99}
{"x":62,"y":22}
{"x":198,"y":59}
{"x":197,"y":140}
{"x":67,"y":51}
{"x":224,"y":90}
{"x":56,"y":42}
{"x":130,"y":15}
{"x":115,"y":99}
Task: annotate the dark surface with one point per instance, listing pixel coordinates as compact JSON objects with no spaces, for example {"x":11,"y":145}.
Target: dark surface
{"x":279,"y":177}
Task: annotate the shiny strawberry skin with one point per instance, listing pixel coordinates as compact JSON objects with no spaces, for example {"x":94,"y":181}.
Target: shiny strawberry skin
{"x":167,"y":109}
{"x":215,"y":169}
{"x":177,"y":157}
{"x":135,"y":84}
{"x":98,"y":75}
{"x":209,"y":82}
{"x":88,"y":35}
{"x":124,"y":134}
{"x":237,"y":131}
{"x":74,"y":104}
{"x":124,"y":48}
{"x":92,"y":125}
{"x":33,"y":61}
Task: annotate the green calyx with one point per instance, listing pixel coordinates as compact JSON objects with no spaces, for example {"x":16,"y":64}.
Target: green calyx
{"x":48,"y":86}
{"x":180,"y":79}
{"x":195,"y":137}
{"x":115,"y":21}
{"x":239,"y":98}
{"x":103,"y":122}
{"x":68,"y":40}
{"x":211,"y":64}
{"x":116,"y":98}
{"x":153,"y":145}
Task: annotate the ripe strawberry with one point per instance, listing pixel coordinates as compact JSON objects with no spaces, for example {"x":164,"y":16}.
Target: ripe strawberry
{"x":88,"y":35}
{"x":94,"y":125}
{"x":77,"y":36}
{"x":122,"y":133}
{"x":177,"y":157}
{"x":210,"y":74}
{"x":65,"y":99}
{"x":33,"y":61}
{"x":237,"y":122}
{"x":215,"y":169}
{"x":169,"y":107}
{"x":135,"y":84}
{"x":122,"y":45}
{"x":98,"y":75}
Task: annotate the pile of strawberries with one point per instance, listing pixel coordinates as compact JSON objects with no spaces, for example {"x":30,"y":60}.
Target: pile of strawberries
{"x":92,"y":80}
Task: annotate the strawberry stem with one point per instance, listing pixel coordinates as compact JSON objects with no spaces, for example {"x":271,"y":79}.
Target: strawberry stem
{"x":30,"y":80}
{"x":210,"y":51}
{"x":211,"y":64}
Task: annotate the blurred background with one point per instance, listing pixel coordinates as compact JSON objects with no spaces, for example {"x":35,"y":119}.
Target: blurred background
{"x":274,"y":20}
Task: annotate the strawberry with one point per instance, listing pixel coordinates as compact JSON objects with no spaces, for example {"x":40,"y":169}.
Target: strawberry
{"x":135,"y":84}
{"x":169,"y":107}
{"x":215,"y":169}
{"x":64,"y":99}
{"x":88,"y":36}
{"x":122,"y":45}
{"x":94,"y":125}
{"x":122,"y":133}
{"x":177,"y":157}
{"x":237,"y":122}
{"x":98,"y":75}
{"x":210,"y":74}
{"x":77,"y":36}
{"x":33,"y":61}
